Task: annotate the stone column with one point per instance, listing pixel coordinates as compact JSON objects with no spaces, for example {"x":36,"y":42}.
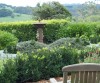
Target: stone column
{"x":39,"y":26}
{"x":40,"y":35}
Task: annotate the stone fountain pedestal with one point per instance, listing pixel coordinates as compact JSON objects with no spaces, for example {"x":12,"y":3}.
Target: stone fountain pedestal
{"x":39,"y":26}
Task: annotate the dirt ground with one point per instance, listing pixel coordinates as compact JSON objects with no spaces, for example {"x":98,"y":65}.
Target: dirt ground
{"x":47,"y":81}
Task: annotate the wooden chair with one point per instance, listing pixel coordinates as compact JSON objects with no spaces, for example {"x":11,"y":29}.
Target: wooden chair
{"x":82,"y":73}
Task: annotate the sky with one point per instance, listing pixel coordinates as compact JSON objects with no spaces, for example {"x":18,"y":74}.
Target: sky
{"x":34,"y":2}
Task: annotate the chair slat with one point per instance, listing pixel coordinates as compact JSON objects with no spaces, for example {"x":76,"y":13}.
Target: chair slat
{"x":81,"y":77}
{"x":65,"y":76}
{"x":89,"y":77}
{"x":94,"y":77}
{"x":77,"y":77}
{"x":98,"y":77}
{"x":85,"y":76}
{"x":73,"y":77}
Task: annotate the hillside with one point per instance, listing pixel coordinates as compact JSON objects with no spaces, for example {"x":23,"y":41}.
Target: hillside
{"x":10,"y":13}
{"x":13,"y":13}
{"x":73,"y":8}
{"x":21,"y":17}
{"x":20,"y":9}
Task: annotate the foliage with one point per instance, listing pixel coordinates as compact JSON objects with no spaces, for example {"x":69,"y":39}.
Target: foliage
{"x":95,"y":58}
{"x":69,"y":42}
{"x":7,"y":39}
{"x":23,"y":31}
{"x":5,"y":12}
{"x":91,"y":54}
{"x":8,"y":74}
{"x":86,"y":10}
{"x":86,"y":31}
{"x":93,"y":18}
{"x":20,"y":10}
{"x":32,"y":46}
{"x":51,"y":10}
{"x":41,"y":64}
{"x":54,"y":30}
{"x":87,"y":52}
{"x":1,"y":64}
{"x":29,"y":46}
{"x":11,"y":49}
{"x":23,"y":10}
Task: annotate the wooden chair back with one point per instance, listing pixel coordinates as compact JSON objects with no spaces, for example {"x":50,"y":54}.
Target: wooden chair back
{"x":82,"y":73}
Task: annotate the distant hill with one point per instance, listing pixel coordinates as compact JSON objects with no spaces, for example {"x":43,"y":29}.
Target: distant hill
{"x":10,"y":13}
{"x":14,"y":13}
{"x":19,"y":10}
{"x":28,"y":10}
{"x":73,"y":8}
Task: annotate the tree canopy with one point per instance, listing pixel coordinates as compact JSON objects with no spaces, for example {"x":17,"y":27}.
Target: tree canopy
{"x":5,"y":12}
{"x":51,"y":10}
{"x":88,"y":9}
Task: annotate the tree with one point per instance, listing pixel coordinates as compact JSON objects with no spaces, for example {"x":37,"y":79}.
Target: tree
{"x":51,"y":10}
{"x":23,"y":10}
{"x":88,"y":9}
{"x":5,"y":12}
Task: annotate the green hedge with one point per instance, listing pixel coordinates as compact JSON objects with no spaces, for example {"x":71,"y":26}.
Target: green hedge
{"x":89,"y":31}
{"x":54,"y":29}
{"x":26,"y":30}
{"x":23,"y":31}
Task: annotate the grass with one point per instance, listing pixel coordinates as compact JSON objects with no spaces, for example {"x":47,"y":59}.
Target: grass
{"x":22,"y":17}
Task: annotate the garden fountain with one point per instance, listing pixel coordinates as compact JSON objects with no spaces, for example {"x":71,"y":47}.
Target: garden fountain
{"x":39,"y":26}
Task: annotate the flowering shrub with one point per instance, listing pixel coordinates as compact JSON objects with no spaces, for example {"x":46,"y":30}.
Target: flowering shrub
{"x":88,"y":51}
{"x":90,"y":55}
{"x":93,"y":58}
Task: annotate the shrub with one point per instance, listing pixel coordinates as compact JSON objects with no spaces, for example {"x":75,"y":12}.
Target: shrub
{"x":42,"y":64}
{"x":69,"y":42}
{"x":11,"y":49}
{"x":88,"y":52}
{"x":29,"y":46}
{"x":94,"y":58}
{"x":8,"y":74}
{"x":45,"y":63}
{"x":7,"y":39}
{"x":32,"y":46}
